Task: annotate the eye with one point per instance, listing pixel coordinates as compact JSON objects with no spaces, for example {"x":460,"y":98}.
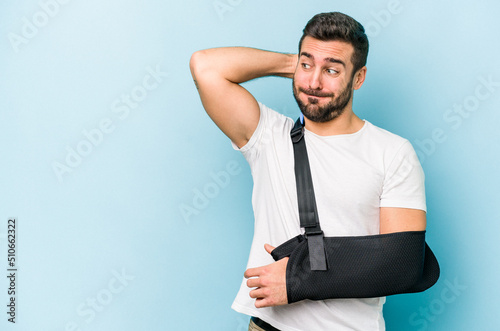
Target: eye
{"x":331,"y":71}
{"x":306,"y":66}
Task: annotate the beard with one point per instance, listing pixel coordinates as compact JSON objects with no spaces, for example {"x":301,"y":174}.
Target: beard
{"x":333,"y":109}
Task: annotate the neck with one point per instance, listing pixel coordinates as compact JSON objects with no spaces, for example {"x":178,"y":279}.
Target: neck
{"x":346,"y":123}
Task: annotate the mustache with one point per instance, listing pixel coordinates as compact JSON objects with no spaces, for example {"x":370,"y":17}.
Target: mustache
{"x":315,"y":93}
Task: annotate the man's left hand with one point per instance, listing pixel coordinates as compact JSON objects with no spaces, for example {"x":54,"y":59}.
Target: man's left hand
{"x":270,"y":282}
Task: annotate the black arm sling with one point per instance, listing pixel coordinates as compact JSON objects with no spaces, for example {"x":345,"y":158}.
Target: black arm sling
{"x":322,"y":267}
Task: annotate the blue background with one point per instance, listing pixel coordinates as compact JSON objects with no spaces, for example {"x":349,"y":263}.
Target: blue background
{"x":113,"y":227}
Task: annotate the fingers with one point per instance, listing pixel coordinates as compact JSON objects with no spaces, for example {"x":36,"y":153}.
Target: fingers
{"x":262,"y":302}
{"x":262,"y":298}
{"x":265,"y":302}
{"x":259,"y":293}
{"x":255,"y":272}
{"x":268,"y":248}
{"x":254,"y":282}
{"x":252,"y":272}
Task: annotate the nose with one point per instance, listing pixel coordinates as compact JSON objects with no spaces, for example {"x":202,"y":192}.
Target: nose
{"x":315,"y":80}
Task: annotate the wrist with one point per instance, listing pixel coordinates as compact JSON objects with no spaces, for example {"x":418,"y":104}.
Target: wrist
{"x":288,"y":66}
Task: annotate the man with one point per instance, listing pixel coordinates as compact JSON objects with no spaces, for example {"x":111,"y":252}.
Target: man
{"x":367,"y":181}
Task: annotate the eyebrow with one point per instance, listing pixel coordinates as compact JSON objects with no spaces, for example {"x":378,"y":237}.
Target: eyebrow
{"x":328,"y":59}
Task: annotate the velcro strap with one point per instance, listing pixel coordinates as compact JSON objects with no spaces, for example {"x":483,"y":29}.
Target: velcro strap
{"x":317,"y":255}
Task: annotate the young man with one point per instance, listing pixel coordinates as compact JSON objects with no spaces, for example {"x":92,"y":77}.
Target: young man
{"x":366,"y":180}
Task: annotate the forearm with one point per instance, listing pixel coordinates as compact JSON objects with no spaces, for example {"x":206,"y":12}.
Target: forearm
{"x":360,"y":267}
{"x":241,"y":64}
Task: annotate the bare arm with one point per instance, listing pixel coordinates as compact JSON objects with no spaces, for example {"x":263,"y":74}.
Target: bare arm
{"x":217,"y":73}
{"x":401,"y":219}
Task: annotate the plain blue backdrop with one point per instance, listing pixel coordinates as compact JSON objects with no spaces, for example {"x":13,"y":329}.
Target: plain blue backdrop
{"x":133,"y":210}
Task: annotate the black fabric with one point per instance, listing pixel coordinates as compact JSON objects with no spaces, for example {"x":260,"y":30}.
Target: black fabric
{"x":360,"y":267}
{"x":308,"y":213}
{"x":307,"y":204}
{"x":263,"y":325}
{"x":322,"y":268}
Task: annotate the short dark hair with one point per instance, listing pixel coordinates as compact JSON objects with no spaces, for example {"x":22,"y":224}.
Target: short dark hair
{"x":339,"y":26}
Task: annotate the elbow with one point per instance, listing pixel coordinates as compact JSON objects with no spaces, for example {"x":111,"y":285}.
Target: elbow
{"x":198,"y":62}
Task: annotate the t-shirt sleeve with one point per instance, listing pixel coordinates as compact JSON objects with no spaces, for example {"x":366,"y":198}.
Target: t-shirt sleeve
{"x":404,"y":181}
{"x":271,"y":124}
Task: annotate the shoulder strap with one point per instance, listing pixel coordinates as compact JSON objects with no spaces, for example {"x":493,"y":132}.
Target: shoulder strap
{"x":308,"y":212}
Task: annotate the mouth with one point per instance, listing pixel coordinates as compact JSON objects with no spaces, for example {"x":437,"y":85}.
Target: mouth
{"x":315,"y":94}
{"x":314,"y":99}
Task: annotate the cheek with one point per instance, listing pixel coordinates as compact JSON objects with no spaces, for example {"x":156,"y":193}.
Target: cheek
{"x":300,"y":79}
{"x":335,"y":85}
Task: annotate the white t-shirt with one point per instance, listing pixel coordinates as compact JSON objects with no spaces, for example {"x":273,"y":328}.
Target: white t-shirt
{"x":353,"y":176}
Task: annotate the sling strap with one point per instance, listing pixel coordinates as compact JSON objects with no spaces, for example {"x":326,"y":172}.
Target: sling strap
{"x":321,"y":268}
{"x":308,"y":212}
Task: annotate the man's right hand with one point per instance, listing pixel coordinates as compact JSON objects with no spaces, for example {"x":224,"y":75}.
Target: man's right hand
{"x":219,"y":71}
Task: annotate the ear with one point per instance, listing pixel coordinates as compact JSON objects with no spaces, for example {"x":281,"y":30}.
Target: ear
{"x":359,"y":78}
